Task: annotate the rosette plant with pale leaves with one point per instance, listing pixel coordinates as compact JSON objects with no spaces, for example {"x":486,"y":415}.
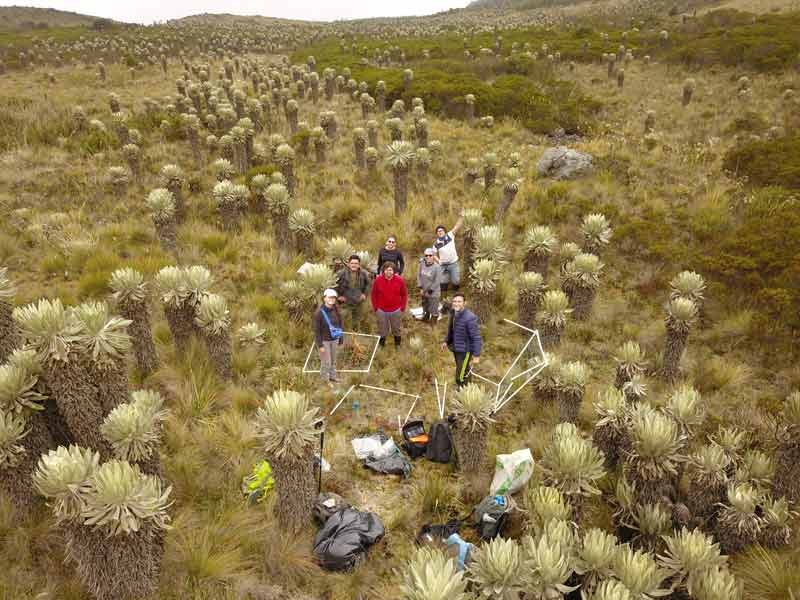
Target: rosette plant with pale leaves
{"x":483,"y":277}
{"x":63,"y":476}
{"x":161,"y":204}
{"x":316,"y":279}
{"x":595,"y":557}
{"x":706,"y":472}
{"x":686,"y":406}
{"x":130,"y":295}
{"x":573,"y":465}
{"x":640,"y":573}
{"x":580,"y":280}
{"x":611,"y":429}
{"x":286,"y":424}
{"x":490,"y":244}
{"x":572,"y":384}
{"x":278,"y":204}
{"x":303,"y":224}
{"x":552,"y":317}
{"x":776,"y":531}
{"x":473,"y":220}
{"x":655,"y":452}
{"x":739,"y":523}
{"x":596,"y":233}
{"x":689,"y":285}
{"x":12,"y":431}
{"x":431,"y":574}
{"x":338,"y":250}
{"x":223,"y":169}
{"x":496,"y":570}
{"x":681,"y":315}
{"x":214,"y":320}
{"x":530,"y":290}
{"x":472,"y":408}
{"x":547,"y":568}
{"x":690,"y":555}
{"x":134,"y":430}
{"x":630,"y":362}
{"x":172,"y":178}
{"x":544,"y":504}
{"x":610,"y":589}
{"x":9,"y":335}
{"x":538,"y":244}
{"x":252,"y":334}
{"x":399,"y":158}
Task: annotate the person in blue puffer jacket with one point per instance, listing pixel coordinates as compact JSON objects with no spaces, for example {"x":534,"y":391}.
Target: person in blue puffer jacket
{"x":463,"y":338}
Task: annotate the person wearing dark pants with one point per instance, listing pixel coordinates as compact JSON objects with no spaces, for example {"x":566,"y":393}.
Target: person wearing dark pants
{"x":389,"y":298}
{"x":463,"y":339}
{"x":429,"y":280}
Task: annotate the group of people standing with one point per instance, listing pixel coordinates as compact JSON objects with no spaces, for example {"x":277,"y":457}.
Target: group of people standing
{"x":438,"y":273}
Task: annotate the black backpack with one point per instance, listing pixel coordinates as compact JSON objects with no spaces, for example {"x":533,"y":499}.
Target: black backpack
{"x":440,"y":443}
{"x":410,"y":430}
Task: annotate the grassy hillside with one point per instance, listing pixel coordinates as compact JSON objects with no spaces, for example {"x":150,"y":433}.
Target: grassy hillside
{"x":25,"y":18}
{"x":694,"y":169}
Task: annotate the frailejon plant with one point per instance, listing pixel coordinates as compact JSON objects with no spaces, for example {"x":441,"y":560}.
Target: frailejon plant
{"x":473,"y":220}
{"x":432,"y":574}
{"x":511,"y":180}
{"x":161,"y":204}
{"x":400,"y":156}
{"x":173,"y":179}
{"x":573,"y":465}
{"x":552,"y":318}
{"x":483,"y":278}
{"x":681,"y":315}
{"x":739,"y":523}
{"x":595,"y":559}
{"x":786,"y":481}
{"x":9,"y":334}
{"x":544,"y":504}
{"x":496,"y":570}
{"x":213,"y":319}
{"x":134,"y":430}
{"x":538,"y":244}
{"x":278,"y":204}
{"x":580,"y":281}
{"x":57,"y":336}
{"x":596,"y":233}
{"x":231,"y":202}
{"x":113,"y":516}
{"x":571,"y":388}
{"x":489,"y":243}
{"x":286,"y":425}
{"x":611,"y":428}
{"x":472,"y":409}
{"x":630,"y":362}
{"x":302,"y":224}
{"x":130,"y":295}
{"x":708,"y":481}
{"x":530,"y":290}
{"x":106,"y":343}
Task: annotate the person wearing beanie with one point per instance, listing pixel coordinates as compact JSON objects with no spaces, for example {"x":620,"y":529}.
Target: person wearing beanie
{"x":445,"y":245}
{"x":327,"y":324}
{"x":429,"y":282}
{"x":389,"y":298}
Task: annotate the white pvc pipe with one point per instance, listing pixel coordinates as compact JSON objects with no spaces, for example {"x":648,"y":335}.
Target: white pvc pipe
{"x":338,"y":404}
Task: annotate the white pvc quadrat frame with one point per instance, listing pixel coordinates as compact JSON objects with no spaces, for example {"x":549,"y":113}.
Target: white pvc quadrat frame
{"x":502,"y":396}
{"x":353,"y":333}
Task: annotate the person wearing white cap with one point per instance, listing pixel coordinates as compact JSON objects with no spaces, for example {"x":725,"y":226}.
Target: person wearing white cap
{"x":429,"y":281}
{"x":328,"y":335}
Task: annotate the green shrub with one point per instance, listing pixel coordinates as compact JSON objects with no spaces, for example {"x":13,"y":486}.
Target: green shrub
{"x":94,"y":284}
{"x":769,"y":162}
{"x":213,"y":242}
{"x":267,"y":307}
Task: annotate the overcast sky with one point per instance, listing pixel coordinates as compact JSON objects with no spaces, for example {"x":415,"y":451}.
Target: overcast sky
{"x":147,"y":11}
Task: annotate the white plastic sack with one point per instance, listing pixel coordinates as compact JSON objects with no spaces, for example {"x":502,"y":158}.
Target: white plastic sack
{"x":364,"y":447}
{"x":511,"y":472}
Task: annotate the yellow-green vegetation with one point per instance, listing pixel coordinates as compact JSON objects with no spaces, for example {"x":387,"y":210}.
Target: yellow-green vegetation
{"x":156,"y":208}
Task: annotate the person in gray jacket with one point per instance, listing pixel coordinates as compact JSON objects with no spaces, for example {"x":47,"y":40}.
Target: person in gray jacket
{"x":429,"y":282}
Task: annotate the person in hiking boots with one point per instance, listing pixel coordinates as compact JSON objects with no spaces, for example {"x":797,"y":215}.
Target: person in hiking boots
{"x":463,"y":338}
{"x":429,"y":281}
{"x":389,"y":298}
{"x":390,"y":253}
{"x":353,"y":287}
{"x":327,"y":324}
{"x":445,"y":245}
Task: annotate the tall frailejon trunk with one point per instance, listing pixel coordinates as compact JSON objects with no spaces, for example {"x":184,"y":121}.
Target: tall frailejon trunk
{"x":400,"y":190}
{"x":78,"y":404}
{"x":703,"y":496}
{"x":381,"y":101}
{"x":569,"y":404}
{"x":112,"y":385}
{"x":121,"y":567}
{"x":231,"y":216}
{"x":527,"y":307}
{"x":505,"y":204}
{"x":181,"y":323}
{"x":582,"y":299}
{"x":786,"y":481}
{"x":282,"y":231}
{"x":489,"y":176}
{"x":469,"y":249}
{"x":304,"y":242}
{"x":9,"y":334}
{"x":287,"y":168}
{"x":56,"y":425}
{"x":673,"y":351}
{"x":16,"y":481}
{"x":359,"y":146}
{"x":167,"y":234}
{"x":319,"y":151}
{"x":373,"y":137}
{"x":470,"y":449}
{"x":538,"y":263}
{"x":144,"y":348}
{"x":610,"y":440}
{"x":220,"y":353}
{"x":295,"y":486}
{"x":483,"y":305}
{"x":176,"y":189}
{"x":550,"y":335}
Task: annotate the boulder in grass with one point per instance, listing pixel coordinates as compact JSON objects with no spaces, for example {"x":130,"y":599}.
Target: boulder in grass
{"x":564,"y":163}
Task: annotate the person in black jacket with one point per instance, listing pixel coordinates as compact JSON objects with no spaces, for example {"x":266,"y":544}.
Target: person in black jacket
{"x":463,"y":338}
{"x":390,"y":253}
{"x":323,"y":335}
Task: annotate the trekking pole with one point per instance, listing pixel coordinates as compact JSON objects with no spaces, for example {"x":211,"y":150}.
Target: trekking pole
{"x":320,"y":425}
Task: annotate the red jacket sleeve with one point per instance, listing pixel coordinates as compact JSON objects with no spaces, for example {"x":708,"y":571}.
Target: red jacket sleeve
{"x":404,"y":293}
{"x":373,"y":295}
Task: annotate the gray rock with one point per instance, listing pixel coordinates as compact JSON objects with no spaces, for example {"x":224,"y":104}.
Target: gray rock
{"x":564,"y":163}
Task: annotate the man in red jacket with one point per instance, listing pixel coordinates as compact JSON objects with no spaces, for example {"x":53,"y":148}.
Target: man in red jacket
{"x":389,"y":298}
